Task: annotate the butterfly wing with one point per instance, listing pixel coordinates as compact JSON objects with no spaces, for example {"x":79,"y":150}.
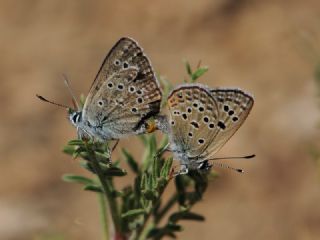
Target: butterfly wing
{"x":125,"y":91}
{"x":202,"y":120}
{"x":191,"y":111}
{"x":234,"y":106}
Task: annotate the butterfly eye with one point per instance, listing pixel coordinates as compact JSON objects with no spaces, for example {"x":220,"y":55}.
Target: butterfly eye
{"x":110,"y":85}
{"x":231,"y":112}
{"x":201,"y":141}
{"x":211,"y":125}
{"x":189,"y":110}
{"x":172,"y":123}
{"x":226,"y":108}
{"x":139,"y":92}
{"x":190,"y":134}
{"x":206,"y":119}
{"x":235,"y":119}
{"x":76,"y":118}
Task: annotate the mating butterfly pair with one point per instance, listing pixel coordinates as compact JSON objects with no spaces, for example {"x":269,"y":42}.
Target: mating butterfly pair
{"x":126,"y":94}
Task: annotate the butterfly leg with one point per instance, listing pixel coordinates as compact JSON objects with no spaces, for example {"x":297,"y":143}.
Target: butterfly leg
{"x":115,"y":145}
{"x":182,"y":171}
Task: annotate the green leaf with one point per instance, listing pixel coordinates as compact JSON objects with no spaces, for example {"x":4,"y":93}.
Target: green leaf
{"x":180,"y":186}
{"x":133,"y":213}
{"x":163,"y":143}
{"x":77,"y":179}
{"x":188,"y":68}
{"x":93,"y":188}
{"x":137,"y":186}
{"x":150,"y":195}
{"x":198,"y":73}
{"x":114,"y":172}
{"x":130,"y":160}
{"x":168,"y":230}
{"x":144,"y":181}
{"x":185,"y":216}
{"x":86,"y":165}
{"x":161,"y":184}
{"x":69,"y":149}
{"x":155,"y":171}
{"x":76,"y":142}
{"x":116,"y":193}
{"x":174,"y":227}
{"x":166,"y":168}
{"x":143,"y":139}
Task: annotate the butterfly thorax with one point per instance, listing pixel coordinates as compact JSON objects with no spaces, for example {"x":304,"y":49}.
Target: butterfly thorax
{"x":181,"y":153}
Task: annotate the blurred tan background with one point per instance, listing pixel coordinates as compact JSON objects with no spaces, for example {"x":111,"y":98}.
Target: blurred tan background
{"x":265,"y":47}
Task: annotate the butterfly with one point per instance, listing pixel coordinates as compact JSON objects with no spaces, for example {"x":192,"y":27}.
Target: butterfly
{"x":201,"y":120}
{"x":123,"y":97}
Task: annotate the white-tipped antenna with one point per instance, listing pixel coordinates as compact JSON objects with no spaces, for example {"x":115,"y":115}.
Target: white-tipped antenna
{"x":48,"y":101}
{"x":241,"y":157}
{"x":221,"y":165}
{"x":74,"y":100}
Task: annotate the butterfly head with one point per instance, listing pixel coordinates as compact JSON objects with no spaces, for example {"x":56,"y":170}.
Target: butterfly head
{"x":75,"y":117}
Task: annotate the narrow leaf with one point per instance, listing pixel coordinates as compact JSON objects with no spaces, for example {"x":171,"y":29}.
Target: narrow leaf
{"x":76,"y":142}
{"x":188,"y":68}
{"x":166,"y":168}
{"x":131,"y":161}
{"x":114,"y":172}
{"x":77,"y":179}
{"x":93,"y":188}
{"x":69,"y":149}
{"x":143,"y":139}
{"x":198,"y":73}
{"x":185,"y":216}
{"x":133,"y":213}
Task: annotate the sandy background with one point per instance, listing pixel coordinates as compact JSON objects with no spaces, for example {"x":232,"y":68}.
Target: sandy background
{"x":265,"y":47}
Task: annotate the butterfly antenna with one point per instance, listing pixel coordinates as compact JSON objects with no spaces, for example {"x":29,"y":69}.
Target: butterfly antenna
{"x":74,"y":100}
{"x":241,"y":157}
{"x":221,"y":165}
{"x":48,"y":101}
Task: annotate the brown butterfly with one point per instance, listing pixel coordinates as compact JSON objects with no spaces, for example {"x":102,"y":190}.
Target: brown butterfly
{"x":123,"y":97}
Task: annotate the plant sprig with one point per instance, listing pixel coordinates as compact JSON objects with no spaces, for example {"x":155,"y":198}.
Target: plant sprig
{"x":138,"y":210}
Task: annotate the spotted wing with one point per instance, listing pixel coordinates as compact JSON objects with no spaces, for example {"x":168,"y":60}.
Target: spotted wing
{"x":193,"y":115}
{"x":125,"y":91}
{"x":234,"y":106}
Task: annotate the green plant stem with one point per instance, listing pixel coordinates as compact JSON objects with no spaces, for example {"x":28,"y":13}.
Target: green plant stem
{"x":104,"y":216}
{"x":142,"y":231}
{"x":113,"y":206}
{"x":166,"y":208}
